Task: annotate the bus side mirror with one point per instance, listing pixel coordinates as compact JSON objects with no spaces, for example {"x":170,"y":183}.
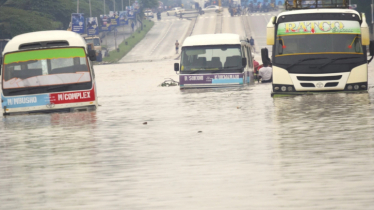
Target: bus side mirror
{"x":176,"y":66}
{"x":244,"y":62}
{"x":270,"y":31}
{"x":92,"y":55}
{"x":365,"y":34}
{"x":371,"y":48}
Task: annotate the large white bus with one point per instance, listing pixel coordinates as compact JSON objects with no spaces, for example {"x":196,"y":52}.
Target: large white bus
{"x":319,"y":49}
{"x":48,"y":71}
{"x":215,"y":60}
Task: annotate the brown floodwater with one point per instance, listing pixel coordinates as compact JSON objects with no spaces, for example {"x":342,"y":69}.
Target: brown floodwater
{"x":229,"y":148}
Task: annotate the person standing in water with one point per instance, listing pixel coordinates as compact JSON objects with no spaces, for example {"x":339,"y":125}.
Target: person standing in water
{"x":176,"y":47}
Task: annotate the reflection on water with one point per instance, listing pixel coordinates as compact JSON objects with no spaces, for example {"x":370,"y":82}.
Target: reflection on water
{"x":253,"y":151}
{"x":325,"y":148}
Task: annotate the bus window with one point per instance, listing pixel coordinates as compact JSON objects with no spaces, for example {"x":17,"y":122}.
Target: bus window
{"x":45,"y":67}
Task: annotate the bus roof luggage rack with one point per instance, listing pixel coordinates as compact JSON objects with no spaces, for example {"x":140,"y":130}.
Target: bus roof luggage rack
{"x":316,"y":4}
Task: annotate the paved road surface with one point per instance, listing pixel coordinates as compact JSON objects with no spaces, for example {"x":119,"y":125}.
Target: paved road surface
{"x":159,"y":42}
{"x":257,"y":26}
{"x":205,"y":24}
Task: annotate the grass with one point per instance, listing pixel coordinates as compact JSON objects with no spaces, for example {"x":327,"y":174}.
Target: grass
{"x":134,"y":39}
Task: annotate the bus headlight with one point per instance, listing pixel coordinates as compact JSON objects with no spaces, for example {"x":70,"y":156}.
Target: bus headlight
{"x":356,"y":86}
{"x":283,"y":88}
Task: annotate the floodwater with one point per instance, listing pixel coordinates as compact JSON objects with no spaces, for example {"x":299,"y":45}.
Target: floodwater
{"x":253,"y":151}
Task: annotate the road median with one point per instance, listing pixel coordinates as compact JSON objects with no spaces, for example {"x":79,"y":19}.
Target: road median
{"x":128,"y":44}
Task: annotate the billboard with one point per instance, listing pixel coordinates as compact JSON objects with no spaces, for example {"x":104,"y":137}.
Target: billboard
{"x":105,"y":23}
{"x":92,"y":26}
{"x":114,"y":18}
{"x":136,"y":5}
{"x":123,"y":20}
{"x":77,"y":23}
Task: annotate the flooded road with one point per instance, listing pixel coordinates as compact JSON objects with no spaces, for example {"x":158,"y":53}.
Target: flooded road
{"x":253,"y":151}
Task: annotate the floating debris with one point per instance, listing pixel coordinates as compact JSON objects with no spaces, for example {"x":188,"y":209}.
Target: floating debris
{"x":169,"y":82}
{"x":199,"y":131}
{"x":145,"y":123}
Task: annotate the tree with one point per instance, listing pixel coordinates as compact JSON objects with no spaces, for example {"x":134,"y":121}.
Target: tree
{"x":22,"y":16}
{"x":145,"y":4}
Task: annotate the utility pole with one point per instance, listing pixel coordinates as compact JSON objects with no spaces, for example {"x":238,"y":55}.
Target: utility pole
{"x":115,"y":29}
{"x":372,"y":16}
{"x":77,"y":6}
{"x":104,"y":7}
{"x":122,"y":5}
{"x":89,"y":2}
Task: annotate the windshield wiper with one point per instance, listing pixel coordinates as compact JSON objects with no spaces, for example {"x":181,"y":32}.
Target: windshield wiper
{"x":336,"y":59}
{"x":302,"y":60}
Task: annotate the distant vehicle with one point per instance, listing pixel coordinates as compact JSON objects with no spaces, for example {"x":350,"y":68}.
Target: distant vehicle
{"x":212,"y":8}
{"x":272,"y":3}
{"x":96,"y":41}
{"x":48,"y":71}
{"x":215,"y":60}
{"x":321,"y":49}
{"x":149,"y":13}
{"x":175,"y":11}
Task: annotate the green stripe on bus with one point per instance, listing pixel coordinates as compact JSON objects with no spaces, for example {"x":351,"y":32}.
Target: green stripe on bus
{"x":44,"y":54}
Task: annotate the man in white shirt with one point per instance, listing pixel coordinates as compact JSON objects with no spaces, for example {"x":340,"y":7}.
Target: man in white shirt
{"x":266,"y":73}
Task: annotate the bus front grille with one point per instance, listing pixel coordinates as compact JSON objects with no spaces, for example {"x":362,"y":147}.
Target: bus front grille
{"x":331,"y":84}
{"x":304,"y":78}
{"x":307,"y":85}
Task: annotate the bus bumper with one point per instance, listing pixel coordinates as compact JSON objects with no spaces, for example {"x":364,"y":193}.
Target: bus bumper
{"x":35,"y":110}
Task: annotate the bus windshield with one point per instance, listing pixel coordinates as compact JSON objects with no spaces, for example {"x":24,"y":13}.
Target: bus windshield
{"x":211,"y":58}
{"x":319,"y":44}
{"x":46,"y":67}
{"x":318,"y":37}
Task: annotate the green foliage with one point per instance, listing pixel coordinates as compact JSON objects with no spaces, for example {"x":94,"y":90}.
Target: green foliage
{"x":149,"y":3}
{"x":22,"y":16}
{"x":17,"y":21}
